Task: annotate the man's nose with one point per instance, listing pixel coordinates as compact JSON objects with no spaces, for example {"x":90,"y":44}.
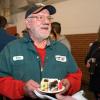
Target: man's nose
{"x":47,"y":20}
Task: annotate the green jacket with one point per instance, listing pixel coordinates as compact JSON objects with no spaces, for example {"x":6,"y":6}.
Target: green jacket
{"x":20,"y":60}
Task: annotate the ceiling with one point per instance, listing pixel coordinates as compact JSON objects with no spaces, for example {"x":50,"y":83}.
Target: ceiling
{"x":9,"y":7}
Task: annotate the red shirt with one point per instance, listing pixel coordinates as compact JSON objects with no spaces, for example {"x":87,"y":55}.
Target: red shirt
{"x":42,"y":53}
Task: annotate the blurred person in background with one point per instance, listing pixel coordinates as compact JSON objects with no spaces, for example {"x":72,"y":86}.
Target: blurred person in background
{"x":92,"y":62}
{"x":25,"y":61}
{"x":56,"y":34}
{"x":5,"y":37}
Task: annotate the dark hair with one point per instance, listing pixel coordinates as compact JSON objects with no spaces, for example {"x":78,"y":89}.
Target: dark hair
{"x":55,"y":27}
{"x":3,"y":21}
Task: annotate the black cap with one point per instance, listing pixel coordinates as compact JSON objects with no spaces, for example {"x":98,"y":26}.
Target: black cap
{"x":37,"y":8}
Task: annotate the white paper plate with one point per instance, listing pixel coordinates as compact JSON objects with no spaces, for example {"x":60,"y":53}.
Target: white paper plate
{"x":44,"y":96}
{"x":51,"y":91}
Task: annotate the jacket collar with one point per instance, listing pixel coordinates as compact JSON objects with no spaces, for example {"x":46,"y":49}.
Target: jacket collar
{"x":26,"y":38}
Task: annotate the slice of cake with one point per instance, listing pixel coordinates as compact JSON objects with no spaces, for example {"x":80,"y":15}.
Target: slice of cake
{"x":50,"y":85}
{"x":53,"y":85}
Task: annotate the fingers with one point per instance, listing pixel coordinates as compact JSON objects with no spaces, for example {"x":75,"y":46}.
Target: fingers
{"x":61,"y":97}
{"x":66,"y":84}
{"x":32,"y":85}
{"x":29,"y":88}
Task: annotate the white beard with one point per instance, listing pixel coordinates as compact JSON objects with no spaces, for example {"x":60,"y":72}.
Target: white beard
{"x":40,"y":37}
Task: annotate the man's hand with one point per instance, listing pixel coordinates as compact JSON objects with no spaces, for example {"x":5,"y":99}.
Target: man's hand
{"x":29,"y":88}
{"x":88,"y":65}
{"x":61,"y":97}
{"x":66,"y":84}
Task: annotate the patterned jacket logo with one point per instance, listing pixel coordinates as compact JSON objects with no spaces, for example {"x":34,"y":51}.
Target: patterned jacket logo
{"x":61,"y":58}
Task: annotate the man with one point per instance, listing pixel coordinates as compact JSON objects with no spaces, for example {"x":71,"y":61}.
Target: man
{"x":56,"y":34}
{"x":24,"y":62}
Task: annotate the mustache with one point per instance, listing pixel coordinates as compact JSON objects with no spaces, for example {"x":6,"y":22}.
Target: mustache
{"x":45,"y":26}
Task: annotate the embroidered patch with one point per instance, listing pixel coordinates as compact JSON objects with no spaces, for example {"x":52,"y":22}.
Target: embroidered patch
{"x":61,"y":58}
{"x":15,"y":58}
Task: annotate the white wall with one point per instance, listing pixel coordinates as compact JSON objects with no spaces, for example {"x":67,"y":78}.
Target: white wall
{"x":76,"y":16}
{"x":20,"y":22}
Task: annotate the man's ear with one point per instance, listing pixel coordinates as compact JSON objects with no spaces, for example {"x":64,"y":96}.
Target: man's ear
{"x":27,"y":23}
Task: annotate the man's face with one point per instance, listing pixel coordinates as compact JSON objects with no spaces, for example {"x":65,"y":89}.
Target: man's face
{"x":39,"y":24}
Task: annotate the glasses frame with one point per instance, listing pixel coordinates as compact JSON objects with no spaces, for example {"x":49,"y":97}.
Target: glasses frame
{"x":41,"y":18}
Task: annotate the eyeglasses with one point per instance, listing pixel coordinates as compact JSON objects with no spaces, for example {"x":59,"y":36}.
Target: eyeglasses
{"x":41,"y":18}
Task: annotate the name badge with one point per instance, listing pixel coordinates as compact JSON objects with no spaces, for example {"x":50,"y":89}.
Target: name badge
{"x":15,"y":58}
{"x":60,"y":58}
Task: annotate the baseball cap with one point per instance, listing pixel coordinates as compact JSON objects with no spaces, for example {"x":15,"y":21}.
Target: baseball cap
{"x":37,"y":8}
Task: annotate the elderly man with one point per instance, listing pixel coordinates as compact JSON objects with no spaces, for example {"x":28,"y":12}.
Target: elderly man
{"x":24,"y":62}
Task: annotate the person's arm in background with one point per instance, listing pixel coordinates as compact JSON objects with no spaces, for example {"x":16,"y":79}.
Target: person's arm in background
{"x":92,"y":46}
{"x":90,"y":51}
